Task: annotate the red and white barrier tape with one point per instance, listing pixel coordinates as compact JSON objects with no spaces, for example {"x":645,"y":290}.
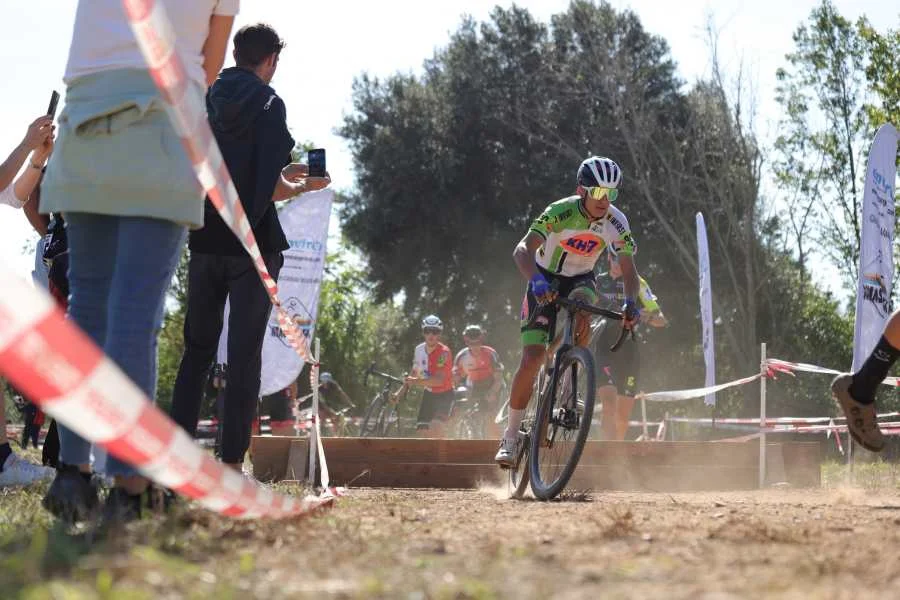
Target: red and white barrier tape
{"x":771,"y":421}
{"x":773,"y":366}
{"x":679,"y":395}
{"x":187,"y":110}
{"x":60,"y":369}
{"x":784,"y":366}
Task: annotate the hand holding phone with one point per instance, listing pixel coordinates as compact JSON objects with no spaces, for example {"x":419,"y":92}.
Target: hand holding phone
{"x":54,"y":101}
{"x":315,"y":158}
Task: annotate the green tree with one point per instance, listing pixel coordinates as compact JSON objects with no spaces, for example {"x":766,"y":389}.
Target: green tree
{"x":453,"y":165}
{"x":354,"y":330}
{"x":882,"y":74}
{"x":822,"y":147}
{"x":171,"y":336}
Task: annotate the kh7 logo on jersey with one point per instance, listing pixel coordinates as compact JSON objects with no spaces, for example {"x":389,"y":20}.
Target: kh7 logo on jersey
{"x":585,"y":244}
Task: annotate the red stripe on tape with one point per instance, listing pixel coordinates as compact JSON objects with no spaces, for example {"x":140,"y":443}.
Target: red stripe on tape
{"x":138,"y":10}
{"x":171,"y":79}
{"x":205,"y":481}
{"x":149,"y":438}
{"x":46,"y":370}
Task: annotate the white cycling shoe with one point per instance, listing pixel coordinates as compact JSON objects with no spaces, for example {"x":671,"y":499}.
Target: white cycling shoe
{"x":506,"y":455}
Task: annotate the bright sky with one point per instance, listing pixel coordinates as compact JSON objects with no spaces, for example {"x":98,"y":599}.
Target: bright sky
{"x":331,"y":42}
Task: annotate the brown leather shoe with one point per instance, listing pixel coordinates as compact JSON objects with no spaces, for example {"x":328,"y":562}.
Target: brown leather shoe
{"x":861,"y":420}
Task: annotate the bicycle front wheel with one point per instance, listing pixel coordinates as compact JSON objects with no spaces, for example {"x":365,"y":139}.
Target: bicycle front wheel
{"x":562,"y":423}
{"x":465,"y":428}
{"x":389,"y":421}
{"x":369,"y":425}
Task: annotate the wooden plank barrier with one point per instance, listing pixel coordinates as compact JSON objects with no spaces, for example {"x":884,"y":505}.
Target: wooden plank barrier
{"x":443,"y":463}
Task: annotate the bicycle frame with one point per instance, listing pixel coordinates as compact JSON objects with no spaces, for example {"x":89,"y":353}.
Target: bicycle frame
{"x":383,"y":397}
{"x":567,"y":340}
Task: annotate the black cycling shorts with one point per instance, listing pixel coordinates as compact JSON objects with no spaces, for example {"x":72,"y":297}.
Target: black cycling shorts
{"x":434,"y":407}
{"x":620,"y":368}
{"x":538,"y":324}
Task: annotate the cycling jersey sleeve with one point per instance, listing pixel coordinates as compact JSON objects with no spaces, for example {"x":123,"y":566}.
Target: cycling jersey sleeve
{"x":552,"y":220}
{"x":647,"y":297}
{"x":495,"y":360}
{"x":459,"y":367}
{"x":623,"y":243}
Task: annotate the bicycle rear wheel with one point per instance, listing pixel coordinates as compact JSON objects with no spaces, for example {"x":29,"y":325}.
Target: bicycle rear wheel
{"x":369,"y":425}
{"x":466,"y":427}
{"x":562,"y":423}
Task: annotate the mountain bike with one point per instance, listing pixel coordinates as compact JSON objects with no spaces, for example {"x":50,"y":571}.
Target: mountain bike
{"x":552,"y":437}
{"x":381,"y":418}
{"x":469,"y":424}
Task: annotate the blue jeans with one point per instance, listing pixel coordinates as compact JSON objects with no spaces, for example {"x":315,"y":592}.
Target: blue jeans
{"x":119,"y":271}
{"x":41,"y":274}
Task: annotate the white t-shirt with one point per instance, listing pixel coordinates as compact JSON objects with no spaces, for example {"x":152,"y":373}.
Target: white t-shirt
{"x":8,"y":196}
{"x":102,"y":40}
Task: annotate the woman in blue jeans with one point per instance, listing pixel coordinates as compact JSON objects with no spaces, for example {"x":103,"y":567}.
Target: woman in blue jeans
{"x":128,"y":193}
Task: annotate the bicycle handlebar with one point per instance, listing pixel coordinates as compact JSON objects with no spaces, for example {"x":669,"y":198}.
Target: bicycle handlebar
{"x":568,"y":303}
{"x":373,"y":371}
{"x":590,"y":308}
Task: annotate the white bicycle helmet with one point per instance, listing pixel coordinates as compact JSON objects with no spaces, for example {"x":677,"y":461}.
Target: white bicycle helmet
{"x":599,"y":171}
{"x":432,"y":322}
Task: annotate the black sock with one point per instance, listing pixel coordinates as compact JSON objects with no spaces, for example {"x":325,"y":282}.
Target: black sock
{"x":873,"y":372}
{"x":5,"y":451}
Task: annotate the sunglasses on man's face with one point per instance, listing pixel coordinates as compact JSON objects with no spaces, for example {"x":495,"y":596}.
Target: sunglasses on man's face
{"x":431,"y":331}
{"x":599,"y":193}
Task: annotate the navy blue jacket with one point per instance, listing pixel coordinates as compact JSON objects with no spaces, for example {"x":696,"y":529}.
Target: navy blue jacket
{"x":249,"y":122}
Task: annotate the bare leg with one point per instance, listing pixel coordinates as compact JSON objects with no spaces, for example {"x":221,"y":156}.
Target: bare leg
{"x":624,"y":405}
{"x":606,"y":396}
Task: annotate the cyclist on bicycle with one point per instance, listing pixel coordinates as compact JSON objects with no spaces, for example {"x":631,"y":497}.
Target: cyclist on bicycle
{"x":617,"y":372}
{"x":479,"y":367}
{"x":557,"y":256}
{"x":432,"y":370}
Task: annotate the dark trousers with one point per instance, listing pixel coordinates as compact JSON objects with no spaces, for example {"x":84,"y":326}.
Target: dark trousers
{"x":212,"y":279}
{"x":30,"y":432}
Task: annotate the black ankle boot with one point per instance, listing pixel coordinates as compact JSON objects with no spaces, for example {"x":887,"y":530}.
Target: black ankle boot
{"x":72,"y":496}
{"x":121,"y":507}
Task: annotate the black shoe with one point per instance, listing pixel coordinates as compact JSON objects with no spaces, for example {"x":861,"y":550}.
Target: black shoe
{"x":72,"y":497}
{"x":121,"y":507}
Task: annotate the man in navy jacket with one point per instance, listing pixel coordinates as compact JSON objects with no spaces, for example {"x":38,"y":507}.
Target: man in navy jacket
{"x":248,"y":120}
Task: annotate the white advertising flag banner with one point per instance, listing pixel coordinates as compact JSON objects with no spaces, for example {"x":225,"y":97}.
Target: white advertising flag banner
{"x":305,"y":224}
{"x":876,"y":256}
{"x":706,"y":313}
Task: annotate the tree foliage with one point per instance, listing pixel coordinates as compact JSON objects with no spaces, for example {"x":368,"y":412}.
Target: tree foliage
{"x":840,"y":84}
{"x":882,"y":74}
{"x":453,"y":165}
{"x":355,"y":331}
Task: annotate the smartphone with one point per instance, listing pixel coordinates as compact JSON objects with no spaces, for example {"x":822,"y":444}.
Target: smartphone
{"x":54,"y":100}
{"x":315,"y":158}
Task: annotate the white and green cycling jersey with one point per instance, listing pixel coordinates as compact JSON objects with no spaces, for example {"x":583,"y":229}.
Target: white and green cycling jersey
{"x":573,"y":243}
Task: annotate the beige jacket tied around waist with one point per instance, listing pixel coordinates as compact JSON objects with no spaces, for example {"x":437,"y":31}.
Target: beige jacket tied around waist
{"x":118,"y":154}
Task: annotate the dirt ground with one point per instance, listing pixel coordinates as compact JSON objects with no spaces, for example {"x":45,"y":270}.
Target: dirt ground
{"x":453,"y":544}
{"x":828,"y":543}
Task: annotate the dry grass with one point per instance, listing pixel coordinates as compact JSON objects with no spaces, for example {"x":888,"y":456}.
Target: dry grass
{"x":874,"y":475}
{"x":621,"y":523}
{"x":473,"y":544}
